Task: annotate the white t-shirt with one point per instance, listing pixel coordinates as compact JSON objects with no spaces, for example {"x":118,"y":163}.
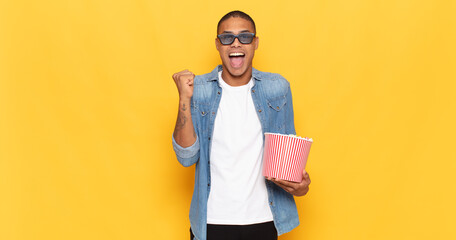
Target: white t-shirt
{"x":238,"y":194}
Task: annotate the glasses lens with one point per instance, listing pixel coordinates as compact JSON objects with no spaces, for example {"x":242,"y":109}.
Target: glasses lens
{"x":245,"y":38}
{"x":226,"y":39}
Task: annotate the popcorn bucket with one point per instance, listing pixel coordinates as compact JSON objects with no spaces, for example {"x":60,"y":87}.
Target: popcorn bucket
{"x":285,"y":156}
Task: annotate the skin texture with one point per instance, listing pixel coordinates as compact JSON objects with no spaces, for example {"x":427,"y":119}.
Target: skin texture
{"x":297,"y":189}
{"x":241,"y":75}
{"x":184,"y":133}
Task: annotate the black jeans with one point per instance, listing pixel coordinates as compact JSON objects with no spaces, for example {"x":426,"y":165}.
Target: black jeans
{"x":260,"y":231}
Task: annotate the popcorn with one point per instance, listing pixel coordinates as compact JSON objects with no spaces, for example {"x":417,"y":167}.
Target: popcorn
{"x":292,"y":135}
{"x":285,"y":156}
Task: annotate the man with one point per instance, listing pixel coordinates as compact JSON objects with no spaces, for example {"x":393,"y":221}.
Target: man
{"x":220,"y":127}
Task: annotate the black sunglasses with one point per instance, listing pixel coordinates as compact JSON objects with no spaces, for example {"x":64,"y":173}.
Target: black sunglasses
{"x":228,"y":38}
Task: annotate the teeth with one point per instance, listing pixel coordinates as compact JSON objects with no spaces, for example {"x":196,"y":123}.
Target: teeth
{"x":236,"y":54}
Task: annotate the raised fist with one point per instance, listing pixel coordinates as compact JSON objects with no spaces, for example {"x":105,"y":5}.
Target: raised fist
{"x":184,"y":83}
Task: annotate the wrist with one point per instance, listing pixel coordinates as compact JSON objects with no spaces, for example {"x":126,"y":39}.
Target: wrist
{"x":183,"y":99}
{"x":184,"y":104}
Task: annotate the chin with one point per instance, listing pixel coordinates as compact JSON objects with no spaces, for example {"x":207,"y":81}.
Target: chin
{"x":237,"y":72}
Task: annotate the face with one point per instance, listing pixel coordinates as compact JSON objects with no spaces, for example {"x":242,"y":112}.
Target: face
{"x":237,"y":57}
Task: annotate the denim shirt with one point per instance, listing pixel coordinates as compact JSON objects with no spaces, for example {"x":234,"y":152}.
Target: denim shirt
{"x":273,"y":103}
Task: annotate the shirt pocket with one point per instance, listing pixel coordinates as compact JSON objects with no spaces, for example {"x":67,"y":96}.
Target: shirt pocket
{"x":276,"y":113}
{"x":277,"y":103}
{"x":202,"y":111}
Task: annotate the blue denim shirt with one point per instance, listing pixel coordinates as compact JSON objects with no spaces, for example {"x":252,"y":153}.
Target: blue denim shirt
{"x":272,"y":99}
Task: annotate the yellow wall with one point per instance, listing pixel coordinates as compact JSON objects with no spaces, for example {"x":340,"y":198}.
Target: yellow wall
{"x":87,"y":108}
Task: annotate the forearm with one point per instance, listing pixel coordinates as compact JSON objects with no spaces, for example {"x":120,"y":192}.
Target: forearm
{"x":184,"y":132}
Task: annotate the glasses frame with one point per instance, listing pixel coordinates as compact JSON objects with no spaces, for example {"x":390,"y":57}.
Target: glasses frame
{"x":236,"y":36}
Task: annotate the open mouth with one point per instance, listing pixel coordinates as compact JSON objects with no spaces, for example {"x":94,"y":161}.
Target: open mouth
{"x":236,"y":59}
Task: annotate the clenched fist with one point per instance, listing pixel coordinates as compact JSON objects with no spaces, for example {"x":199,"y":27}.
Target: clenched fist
{"x":184,"y":83}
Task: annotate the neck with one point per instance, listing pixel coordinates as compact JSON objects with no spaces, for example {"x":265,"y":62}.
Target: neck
{"x":237,"y":80}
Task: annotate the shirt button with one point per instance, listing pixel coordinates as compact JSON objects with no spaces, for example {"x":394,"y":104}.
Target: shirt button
{"x":213,"y":113}
{"x":209,"y":138}
{"x":277,"y":108}
{"x":259,"y":110}
{"x":203,"y":113}
{"x":270,"y":203}
{"x":253,"y":90}
{"x":218,"y":93}
{"x":208,"y":184}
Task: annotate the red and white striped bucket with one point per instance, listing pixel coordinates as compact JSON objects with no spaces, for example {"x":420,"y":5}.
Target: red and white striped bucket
{"x":285,"y":156}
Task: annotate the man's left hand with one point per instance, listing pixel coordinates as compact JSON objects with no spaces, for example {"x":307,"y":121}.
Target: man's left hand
{"x":297,"y":189}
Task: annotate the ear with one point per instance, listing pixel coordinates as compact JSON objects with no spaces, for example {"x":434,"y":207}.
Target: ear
{"x":217,"y":44}
{"x":257,"y":42}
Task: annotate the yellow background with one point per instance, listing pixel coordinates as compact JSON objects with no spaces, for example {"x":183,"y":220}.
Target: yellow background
{"x":87,"y":108}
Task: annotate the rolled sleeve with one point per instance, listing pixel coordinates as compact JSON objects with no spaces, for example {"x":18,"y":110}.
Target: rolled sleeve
{"x":189,"y":155}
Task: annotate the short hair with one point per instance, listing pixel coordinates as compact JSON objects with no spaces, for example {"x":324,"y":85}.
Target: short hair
{"x":238,"y":14}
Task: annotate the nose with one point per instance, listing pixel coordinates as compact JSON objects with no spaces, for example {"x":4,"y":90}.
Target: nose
{"x":236,"y":43}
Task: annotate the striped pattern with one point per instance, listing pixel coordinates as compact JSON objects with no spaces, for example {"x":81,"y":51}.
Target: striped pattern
{"x":285,"y":156}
